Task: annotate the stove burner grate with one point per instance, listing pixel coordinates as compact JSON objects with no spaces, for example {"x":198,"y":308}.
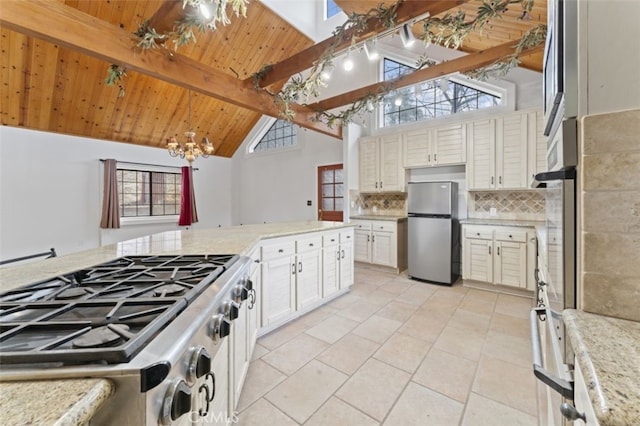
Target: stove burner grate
{"x":100,"y":337}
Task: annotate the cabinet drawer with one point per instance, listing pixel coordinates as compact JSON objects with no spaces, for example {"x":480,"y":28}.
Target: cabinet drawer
{"x":273,"y":250}
{"x":515,"y":235}
{"x":310,"y":243}
{"x":384,"y":226}
{"x":346,"y":236}
{"x":478,"y":232}
{"x":362,"y":224}
{"x":331,"y":239}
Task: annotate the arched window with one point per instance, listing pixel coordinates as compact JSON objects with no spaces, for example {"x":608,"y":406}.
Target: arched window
{"x":282,"y":134}
{"x":429,"y":99}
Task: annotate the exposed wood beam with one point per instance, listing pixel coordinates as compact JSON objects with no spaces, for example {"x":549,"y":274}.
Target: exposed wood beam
{"x":305,"y":58}
{"x":463,"y":64}
{"x":68,"y":27}
{"x":166,"y":16}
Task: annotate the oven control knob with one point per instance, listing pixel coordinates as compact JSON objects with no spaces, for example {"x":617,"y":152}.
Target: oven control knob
{"x":219,"y":327}
{"x":177,"y":402}
{"x":231,"y":310}
{"x":248,"y":284}
{"x":199,"y":365}
{"x":240,"y":293}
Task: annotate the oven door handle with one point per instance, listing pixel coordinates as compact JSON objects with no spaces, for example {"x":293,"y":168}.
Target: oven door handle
{"x":562,"y":386}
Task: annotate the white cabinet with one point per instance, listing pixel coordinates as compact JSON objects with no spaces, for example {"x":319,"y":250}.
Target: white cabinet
{"x":278,"y":280}
{"x":380,"y":164}
{"x":337,"y":264}
{"x":308,"y":271}
{"x":435,"y":147}
{"x":499,"y":255}
{"x":498,"y":153}
{"x":381,"y":242}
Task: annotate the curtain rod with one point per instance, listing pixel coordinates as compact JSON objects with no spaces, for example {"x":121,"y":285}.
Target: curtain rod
{"x":102,"y":160}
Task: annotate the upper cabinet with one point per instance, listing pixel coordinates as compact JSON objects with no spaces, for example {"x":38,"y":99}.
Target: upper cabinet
{"x":435,"y":147}
{"x":380,"y":164}
{"x":498,"y":153}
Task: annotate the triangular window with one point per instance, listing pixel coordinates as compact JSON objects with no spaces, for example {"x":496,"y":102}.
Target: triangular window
{"x":280,"y":135}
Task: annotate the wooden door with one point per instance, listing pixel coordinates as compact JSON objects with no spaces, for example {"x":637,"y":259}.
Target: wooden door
{"x":330,"y":193}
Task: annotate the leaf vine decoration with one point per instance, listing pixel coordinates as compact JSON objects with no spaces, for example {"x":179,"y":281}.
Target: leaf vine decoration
{"x":452,"y":29}
{"x":532,"y":38}
{"x":116,"y":75}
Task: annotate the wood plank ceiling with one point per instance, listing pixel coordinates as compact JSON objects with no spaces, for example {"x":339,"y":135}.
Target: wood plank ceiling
{"x":52,"y":88}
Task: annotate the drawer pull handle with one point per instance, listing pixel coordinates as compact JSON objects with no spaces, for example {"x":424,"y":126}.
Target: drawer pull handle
{"x":311,"y":244}
{"x":280,"y":251}
{"x":333,"y":239}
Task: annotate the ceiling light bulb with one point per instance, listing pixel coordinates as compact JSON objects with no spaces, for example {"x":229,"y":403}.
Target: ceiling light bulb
{"x":326,"y":72}
{"x":347,"y":63}
{"x":398,"y":101}
{"x":204,"y":10}
{"x":371,"y":50}
{"x":407,"y":37}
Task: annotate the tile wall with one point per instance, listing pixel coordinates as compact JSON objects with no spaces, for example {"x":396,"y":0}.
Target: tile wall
{"x":392,"y":204}
{"x":609,"y":238}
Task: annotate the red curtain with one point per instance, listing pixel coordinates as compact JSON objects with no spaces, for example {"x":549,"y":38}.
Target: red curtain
{"x":188,"y":212}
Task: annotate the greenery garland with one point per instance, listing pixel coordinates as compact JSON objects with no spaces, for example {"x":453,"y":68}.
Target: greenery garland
{"x":182,"y":33}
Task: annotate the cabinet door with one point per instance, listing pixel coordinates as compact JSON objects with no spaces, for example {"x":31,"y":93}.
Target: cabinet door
{"x":362,"y":246}
{"x":308,"y":278}
{"x":510,"y":260}
{"x":220,"y":370}
{"x":391,"y":171}
{"x":481,"y":162}
{"x":383,"y":250}
{"x":330,"y":269}
{"x":254,"y":320}
{"x":278,"y":289}
{"x":449,"y":145}
{"x":511,"y":152}
{"x":346,"y":263}
{"x":478,"y":259}
{"x":369,"y":160}
{"x":537,"y":144}
{"x":239,"y":349}
{"x":417,"y":148}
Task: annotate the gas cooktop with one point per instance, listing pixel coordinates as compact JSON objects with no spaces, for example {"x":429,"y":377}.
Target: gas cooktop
{"x":105,"y":313}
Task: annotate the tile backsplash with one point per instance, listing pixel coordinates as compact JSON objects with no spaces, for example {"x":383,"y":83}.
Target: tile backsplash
{"x":515,"y":205}
{"x":390,"y":204}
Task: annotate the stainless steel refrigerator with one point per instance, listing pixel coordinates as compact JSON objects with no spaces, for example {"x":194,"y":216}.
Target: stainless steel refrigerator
{"x":434,"y":232}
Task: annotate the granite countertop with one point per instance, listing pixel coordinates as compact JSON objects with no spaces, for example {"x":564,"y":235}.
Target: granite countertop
{"x":378,"y":217}
{"x":73,"y":402}
{"x":608,"y":350}
{"x":502,"y":222}
{"x":53,"y":402}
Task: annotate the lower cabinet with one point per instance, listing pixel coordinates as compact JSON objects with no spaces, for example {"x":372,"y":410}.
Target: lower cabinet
{"x":299,"y":272}
{"x":499,"y":255}
{"x":381,"y":242}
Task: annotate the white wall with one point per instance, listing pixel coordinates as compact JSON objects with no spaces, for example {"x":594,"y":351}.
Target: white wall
{"x":275,"y":186}
{"x":50,"y":191}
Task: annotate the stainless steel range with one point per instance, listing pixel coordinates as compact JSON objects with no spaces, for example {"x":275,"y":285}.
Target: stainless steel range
{"x":155,"y":325}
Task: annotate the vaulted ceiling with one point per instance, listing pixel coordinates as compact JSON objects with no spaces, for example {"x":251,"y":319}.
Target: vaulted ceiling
{"x":55,"y":56}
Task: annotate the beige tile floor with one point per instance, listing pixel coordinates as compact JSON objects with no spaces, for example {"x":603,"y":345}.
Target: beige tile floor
{"x":397,"y":352}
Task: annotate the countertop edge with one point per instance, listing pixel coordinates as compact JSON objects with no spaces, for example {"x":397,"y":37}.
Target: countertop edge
{"x":378,"y":217}
{"x":613,"y":404}
{"x":87,"y":406}
{"x":502,"y":222}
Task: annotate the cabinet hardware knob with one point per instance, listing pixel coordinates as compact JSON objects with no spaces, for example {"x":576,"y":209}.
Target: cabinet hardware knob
{"x":510,"y":236}
{"x":280,"y":251}
{"x":478,"y":234}
{"x":311,"y":244}
{"x":571,"y":413}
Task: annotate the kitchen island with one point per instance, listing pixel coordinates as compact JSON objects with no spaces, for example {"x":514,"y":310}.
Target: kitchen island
{"x":77,"y":399}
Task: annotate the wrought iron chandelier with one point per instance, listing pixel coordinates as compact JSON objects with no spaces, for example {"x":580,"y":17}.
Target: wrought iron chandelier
{"x":190,"y":150}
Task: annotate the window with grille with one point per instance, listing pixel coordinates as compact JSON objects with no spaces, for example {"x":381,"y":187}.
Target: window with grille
{"x":429,"y":99}
{"x":282,"y":134}
{"x":332,"y":9}
{"x":148,"y":193}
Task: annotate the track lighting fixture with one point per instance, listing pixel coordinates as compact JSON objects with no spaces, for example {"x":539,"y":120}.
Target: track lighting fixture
{"x":407,"y":37}
{"x":371,"y":50}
